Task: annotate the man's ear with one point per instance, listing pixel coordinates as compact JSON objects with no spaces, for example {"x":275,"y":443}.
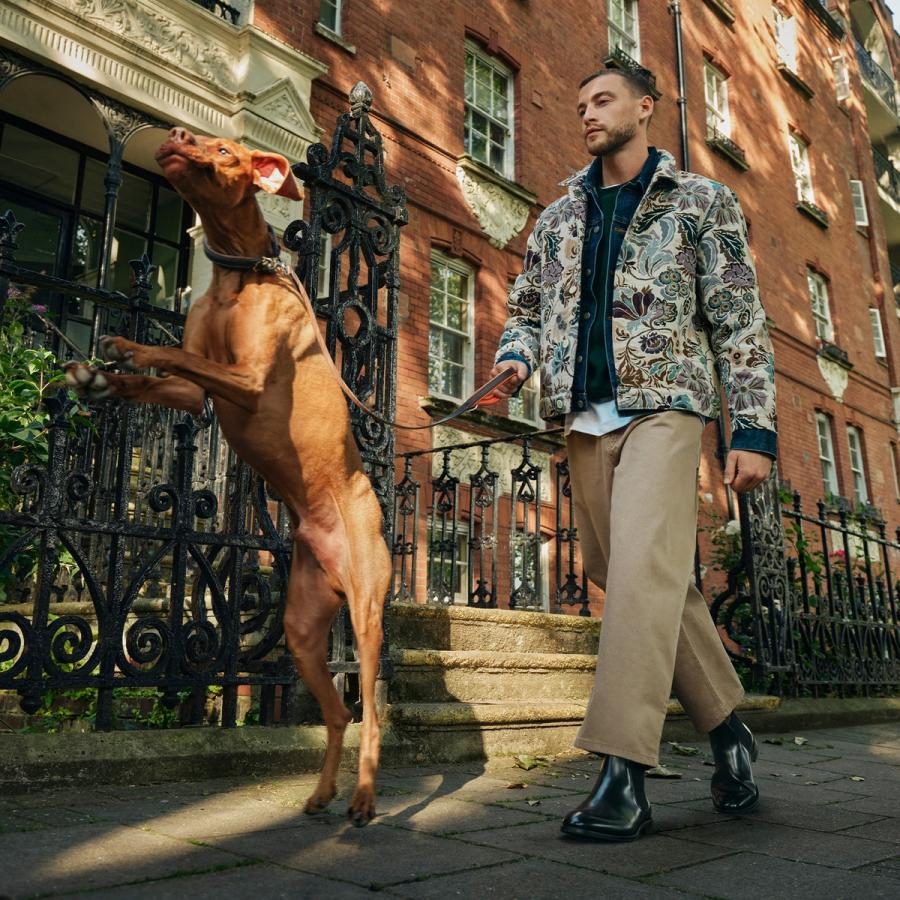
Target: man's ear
{"x":272,"y":174}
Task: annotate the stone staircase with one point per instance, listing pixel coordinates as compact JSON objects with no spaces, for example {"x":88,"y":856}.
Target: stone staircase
{"x":474,"y":683}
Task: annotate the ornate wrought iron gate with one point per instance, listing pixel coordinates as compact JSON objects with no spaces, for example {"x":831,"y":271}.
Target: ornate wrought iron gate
{"x":148,"y":555}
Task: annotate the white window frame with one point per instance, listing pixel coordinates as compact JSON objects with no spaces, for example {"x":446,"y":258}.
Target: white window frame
{"x":892,"y":452}
{"x":821,"y":305}
{"x":468,"y":361}
{"x":785,"y":37}
{"x":459,"y":568}
{"x":718,"y":115}
{"x":860,"y":211}
{"x":799,"y":151}
{"x":529,"y":395}
{"x":336,"y":6}
{"x":841,"y":76}
{"x":324,"y":276}
{"x":476,"y":54}
{"x":826,"y":454}
{"x":857,"y":465}
{"x":877,"y":333}
{"x":618,"y":13}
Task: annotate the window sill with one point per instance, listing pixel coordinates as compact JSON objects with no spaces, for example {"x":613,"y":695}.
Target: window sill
{"x":485,"y":172}
{"x":723,"y":8}
{"x":619,"y":59}
{"x":816,"y":213}
{"x":795,"y":80}
{"x":730,"y":150}
{"x":329,"y":35}
{"x":863,"y":231}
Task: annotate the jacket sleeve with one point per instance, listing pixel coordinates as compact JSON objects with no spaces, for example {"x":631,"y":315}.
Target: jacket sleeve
{"x":728,"y":294}
{"x":521,"y":338}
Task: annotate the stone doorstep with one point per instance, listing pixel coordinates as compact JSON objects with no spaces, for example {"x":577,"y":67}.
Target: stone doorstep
{"x":461,"y":628}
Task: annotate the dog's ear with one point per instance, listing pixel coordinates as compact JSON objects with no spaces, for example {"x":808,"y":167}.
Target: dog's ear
{"x":272,"y":174}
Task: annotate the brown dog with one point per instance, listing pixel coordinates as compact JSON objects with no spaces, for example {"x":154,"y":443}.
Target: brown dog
{"x":249,"y":343}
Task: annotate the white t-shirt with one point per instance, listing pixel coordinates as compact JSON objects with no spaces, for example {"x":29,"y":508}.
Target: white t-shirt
{"x":598,"y":419}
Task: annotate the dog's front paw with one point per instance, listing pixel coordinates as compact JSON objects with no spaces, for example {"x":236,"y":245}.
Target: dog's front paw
{"x":87,"y":381}
{"x":118,"y":350}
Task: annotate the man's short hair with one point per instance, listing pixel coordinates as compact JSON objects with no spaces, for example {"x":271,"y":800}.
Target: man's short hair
{"x":638,"y":80}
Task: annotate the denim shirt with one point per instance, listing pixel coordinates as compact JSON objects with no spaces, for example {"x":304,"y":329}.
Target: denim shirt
{"x":595,"y":231}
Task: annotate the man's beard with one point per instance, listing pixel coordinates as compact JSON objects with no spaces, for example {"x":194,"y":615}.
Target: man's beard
{"x":616,"y":138}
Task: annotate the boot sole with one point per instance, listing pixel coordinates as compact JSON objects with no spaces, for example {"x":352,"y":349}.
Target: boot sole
{"x":575,"y":831}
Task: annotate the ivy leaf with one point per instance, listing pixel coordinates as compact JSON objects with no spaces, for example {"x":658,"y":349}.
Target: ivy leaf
{"x":662,"y":772}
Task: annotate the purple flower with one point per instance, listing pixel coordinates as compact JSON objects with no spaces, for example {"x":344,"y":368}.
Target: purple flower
{"x":747,"y":391}
{"x":687,"y":259}
{"x":551,"y":272}
{"x":39,"y":308}
{"x":654,"y":342}
{"x":739,"y":275}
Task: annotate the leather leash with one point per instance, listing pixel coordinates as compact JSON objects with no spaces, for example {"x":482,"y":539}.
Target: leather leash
{"x":273,"y":265}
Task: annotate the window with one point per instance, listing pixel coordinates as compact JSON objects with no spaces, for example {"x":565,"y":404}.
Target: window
{"x":488,"y":135}
{"x":877,"y":333}
{"x":821,"y":310}
{"x":450,"y":324}
{"x":525,"y":406}
{"x":857,"y":465}
{"x":785,"y":38}
{"x":841,"y":77}
{"x":826,"y":454}
{"x":448,"y":565}
{"x":330,"y":14}
{"x":860,"y":213}
{"x":718,"y":119}
{"x":623,"y":27}
{"x":800,"y":165}
{"x":56,"y":188}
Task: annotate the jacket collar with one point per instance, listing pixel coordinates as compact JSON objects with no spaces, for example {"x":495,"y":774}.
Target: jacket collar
{"x":664,"y":168}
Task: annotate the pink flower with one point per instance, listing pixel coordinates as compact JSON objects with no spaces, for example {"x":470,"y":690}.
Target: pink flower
{"x":39,"y":308}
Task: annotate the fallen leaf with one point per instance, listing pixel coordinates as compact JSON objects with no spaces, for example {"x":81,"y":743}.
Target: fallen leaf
{"x":810,"y":782}
{"x":775,"y":774}
{"x":800,"y":741}
{"x":533,"y":802}
{"x":681,"y":750}
{"x":530,"y":762}
{"x":708,"y":762}
{"x":773,"y":740}
{"x":518,"y":785}
{"x":662,"y":772}
{"x":857,"y":778}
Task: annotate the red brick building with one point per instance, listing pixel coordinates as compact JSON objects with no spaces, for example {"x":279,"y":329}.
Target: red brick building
{"x":791,"y":103}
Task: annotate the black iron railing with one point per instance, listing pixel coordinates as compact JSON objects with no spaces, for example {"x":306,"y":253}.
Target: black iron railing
{"x":886,"y":175}
{"x":222,"y":9}
{"x":879,"y":80}
{"x":136,"y":551}
{"x":493,"y":528}
{"x":813,"y":601}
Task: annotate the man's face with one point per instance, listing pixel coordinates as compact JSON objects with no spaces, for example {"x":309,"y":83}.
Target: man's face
{"x":610,"y":114}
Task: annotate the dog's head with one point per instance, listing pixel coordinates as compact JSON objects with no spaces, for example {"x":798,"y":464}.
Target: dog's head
{"x":216,"y":174}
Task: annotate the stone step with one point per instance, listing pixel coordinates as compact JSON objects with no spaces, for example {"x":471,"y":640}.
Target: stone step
{"x":437,"y":676}
{"x":445,"y":732}
{"x":417,"y":626}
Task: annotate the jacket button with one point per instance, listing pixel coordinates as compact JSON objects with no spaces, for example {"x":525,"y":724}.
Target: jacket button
{"x":585,"y":315}
{"x":560,"y":403}
{"x":579,"y":358}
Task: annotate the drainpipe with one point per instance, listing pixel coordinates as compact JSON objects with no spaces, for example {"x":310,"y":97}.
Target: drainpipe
{"x":675,"y":10}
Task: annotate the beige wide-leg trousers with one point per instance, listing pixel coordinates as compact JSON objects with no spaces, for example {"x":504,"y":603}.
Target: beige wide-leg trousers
{"x":635,"y":498}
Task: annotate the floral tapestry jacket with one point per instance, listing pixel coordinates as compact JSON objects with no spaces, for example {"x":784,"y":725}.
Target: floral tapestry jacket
{"x":686,"y":312}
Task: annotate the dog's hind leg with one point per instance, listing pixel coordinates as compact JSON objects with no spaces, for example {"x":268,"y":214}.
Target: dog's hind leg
{"x":311,"y":606}
{"x":366,"y":614}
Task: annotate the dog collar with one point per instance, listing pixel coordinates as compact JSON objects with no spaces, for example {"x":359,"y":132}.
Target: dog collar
{"x":265,"y":265}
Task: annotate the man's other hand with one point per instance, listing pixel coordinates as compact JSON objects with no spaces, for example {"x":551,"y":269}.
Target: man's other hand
{"x":745,"y":469}
{"x":506,"y":389}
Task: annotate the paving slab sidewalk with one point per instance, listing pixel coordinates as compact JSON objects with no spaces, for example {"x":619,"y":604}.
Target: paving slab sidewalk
{"x":828,"y":825}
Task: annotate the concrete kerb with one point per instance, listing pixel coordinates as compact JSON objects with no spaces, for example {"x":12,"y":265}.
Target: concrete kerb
{"x":33,"y":761}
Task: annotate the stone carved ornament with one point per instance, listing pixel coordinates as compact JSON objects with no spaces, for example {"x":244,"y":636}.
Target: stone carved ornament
{"x":159,"y":34}
{"x":501,"y":214}
{"x":835,"y":376}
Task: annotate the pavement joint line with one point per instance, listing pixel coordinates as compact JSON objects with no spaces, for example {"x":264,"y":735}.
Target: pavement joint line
{"x":180,"y":873}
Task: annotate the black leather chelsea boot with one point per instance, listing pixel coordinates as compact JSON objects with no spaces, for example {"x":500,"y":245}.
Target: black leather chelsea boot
{"x":734,"y":748}
{"x":617,"y":808}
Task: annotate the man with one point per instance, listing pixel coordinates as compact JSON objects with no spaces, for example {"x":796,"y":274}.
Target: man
{"x":638,"y":290}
